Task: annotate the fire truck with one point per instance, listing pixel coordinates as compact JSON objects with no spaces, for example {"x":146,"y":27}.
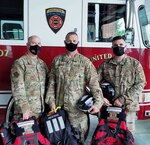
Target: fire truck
{"x":95,"y":21}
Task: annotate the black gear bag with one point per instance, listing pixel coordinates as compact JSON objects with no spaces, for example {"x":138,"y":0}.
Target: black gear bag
{"x":58,"y":129}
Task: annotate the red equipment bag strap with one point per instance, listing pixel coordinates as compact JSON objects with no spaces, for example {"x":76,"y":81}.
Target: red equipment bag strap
{"x":112,"y":132}
{"x":32,"y":139}
{"x":28,"y":133}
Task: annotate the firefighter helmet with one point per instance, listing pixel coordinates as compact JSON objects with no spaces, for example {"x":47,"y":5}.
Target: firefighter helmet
{"x":107,"y":89}
{"x":86,"y":101}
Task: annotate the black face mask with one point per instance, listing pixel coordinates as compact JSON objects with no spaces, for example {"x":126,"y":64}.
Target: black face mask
{"x":71,"y":47}
{"x":35,"y":49}
{"x":118,"y":51}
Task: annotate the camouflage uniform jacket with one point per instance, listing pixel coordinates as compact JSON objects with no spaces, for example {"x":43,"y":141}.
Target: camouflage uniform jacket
{"x":67,"y":80}
{"x":127,"y":77}
{"x":28,"y":76}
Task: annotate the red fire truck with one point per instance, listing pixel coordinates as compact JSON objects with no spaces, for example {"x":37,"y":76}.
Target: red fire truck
{"x":95,"y":21}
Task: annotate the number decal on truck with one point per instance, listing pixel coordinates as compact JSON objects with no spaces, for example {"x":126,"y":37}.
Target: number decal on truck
{"x":4,"y":53}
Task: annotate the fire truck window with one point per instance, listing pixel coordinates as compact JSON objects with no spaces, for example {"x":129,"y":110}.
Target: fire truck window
{"x":145,"y":25}
{"x":12,"y":31}
{"x":105,"y":21}
{"x":11,"y":19}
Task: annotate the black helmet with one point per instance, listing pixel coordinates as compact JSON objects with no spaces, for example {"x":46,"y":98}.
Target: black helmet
{"x":86,"y":101}
{"x":107,"y":89}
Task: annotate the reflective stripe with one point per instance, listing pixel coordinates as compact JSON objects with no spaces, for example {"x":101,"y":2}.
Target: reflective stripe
{"x":55,"y":124}
{"x":61,"y":122}
{"x":49,"y":126}
{"x":25,"y":123}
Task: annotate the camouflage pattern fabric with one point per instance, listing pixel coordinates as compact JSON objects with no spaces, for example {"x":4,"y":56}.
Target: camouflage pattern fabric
{"x":128,"y":78}
{"x":28,"y":78}
{"x":67,"y":80}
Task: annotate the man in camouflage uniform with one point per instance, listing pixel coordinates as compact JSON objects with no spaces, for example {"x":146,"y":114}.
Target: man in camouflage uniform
{"x":28,"y":77}
{"x":70,"y":73}
{"x":127,"y":76}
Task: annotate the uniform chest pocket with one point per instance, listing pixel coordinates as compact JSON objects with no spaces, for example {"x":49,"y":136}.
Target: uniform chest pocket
{"x":29,"y":68}
{"x":128,"y":76}
{"x":30,"y":71}
{"x":61,"y":71}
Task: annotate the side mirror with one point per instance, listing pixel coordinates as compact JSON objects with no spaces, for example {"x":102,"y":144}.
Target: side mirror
{"x":129,"y":35}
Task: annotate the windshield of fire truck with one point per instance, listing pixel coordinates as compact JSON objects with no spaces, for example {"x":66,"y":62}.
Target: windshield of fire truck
{"x":105,"y":21}
{"x":145,"y":24}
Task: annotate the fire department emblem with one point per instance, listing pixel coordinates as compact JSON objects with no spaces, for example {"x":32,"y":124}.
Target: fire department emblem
{"x":55,"y":18}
